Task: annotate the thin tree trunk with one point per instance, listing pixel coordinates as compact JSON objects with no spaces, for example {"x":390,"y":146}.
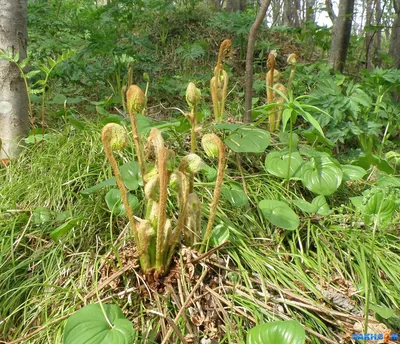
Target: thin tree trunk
{"x":378,"y":34}
{"x":310,"y":11}
{"x":369,"y":35}
{"x":14,"y":118}
{"x":250,"y":56}
{"x":394,"y":49}
{"x":329,"y":9}
{"x":287,"y":13}
{"x":341,"y":35}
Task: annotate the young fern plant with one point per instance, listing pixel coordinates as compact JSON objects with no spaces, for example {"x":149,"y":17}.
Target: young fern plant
{"x":136,"y":102}
{"x":275,"y":90}
{"x":158,"y":233}
{"x":193,"y":96}
{"x":214,"y":147}
{"x":114,"y":137}
{"x":219,"y":82}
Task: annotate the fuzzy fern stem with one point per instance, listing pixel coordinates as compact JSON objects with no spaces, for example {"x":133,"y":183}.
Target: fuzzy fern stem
{"x":213,"y":147}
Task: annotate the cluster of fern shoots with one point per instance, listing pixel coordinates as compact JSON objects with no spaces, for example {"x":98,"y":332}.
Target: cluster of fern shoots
{"x":161,"y":229}
{"x":157,"y":234}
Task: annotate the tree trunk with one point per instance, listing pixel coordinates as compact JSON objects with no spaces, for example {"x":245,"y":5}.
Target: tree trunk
{"x":369,"y":35}
{"x":329,"y":9}
{"x":378,"y":34}
{"x":250,"y":56}
{"x":310,"y":11}
{"x":291,"y":9}
{"x":235,"y":5}
{"x":14,"y":118}
{"x":287,"y":13}
{"x":341,"y":35}
{"x":394,"y":49}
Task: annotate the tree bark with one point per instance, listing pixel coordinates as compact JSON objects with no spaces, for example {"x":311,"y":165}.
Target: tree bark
{"x":369,"y":35}
{"x":394,"y":48}
{"x":14,"y":118}
{"x":341,"y":35}
{"x":250,"y":56}
{"x":235,"y":5}
{"x":329,"y":9}
{"x":378,"y":34}
{"x":310,"y":11}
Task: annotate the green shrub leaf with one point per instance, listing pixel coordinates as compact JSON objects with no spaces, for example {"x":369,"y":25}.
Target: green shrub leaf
{"x":98,"y":187}
{"x":89,"y":326}
{"x":234,"y":193}
{"x":114,"y":202}
{"x":279,"y":214}
{"x":277,"y":332}
{"x":130,"y":175}
{"x":64,"y":228}
{"x":248,"y":140}
{"x":321,"y":175}
{"x":277,"y":163}
{"x":381,"y":207}
{"x":220,"y":234}
{"x":351,"y":172}
{"x":41,"y":215}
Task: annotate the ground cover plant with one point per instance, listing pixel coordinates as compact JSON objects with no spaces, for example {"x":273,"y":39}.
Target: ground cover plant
{"x":143,"y":210}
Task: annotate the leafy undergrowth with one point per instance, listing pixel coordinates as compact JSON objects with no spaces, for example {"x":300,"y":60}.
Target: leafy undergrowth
{"x":62,"y":249}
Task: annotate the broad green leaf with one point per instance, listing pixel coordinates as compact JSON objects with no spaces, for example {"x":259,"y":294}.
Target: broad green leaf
{"x":102,"y":111}
{"x":64,"y":228}
{"x":63,"y":216}
{"x":115,"y":204}
{"x":357,"y":201}
{"x":144,"y":124}
{"x":380,"y":206}
{"x":112,"y":119}
{"x":248,"y":140}
{"x":89,"y":325}
{"x":77,"y":124}
{"x":284,"y":138}
{"x":58,"y":99}
{"x":305,"y":206}
{"x":287,"y":113}
{"x":351,"y":172}
{"x":277,"y":163}
{"x":41,"y":215}
{"x":234,"y":193}
{"x":98,"y":187}
{"x":321,"y":175}
{"x":389,"y":181}
{"x":317,"y":206}
{"x":209,"y":172}
{"x":384,"y":312}
{"x":368,"y":160}
{"x":277,"y":332}
{"x":220,"y":234}
{"x":32,"y":139}
{"x":130,"y":175}
{"x":279,"y":214}
{"x":384,"y":166}
{"x":321,"y":205}
{"x":309,"y":118}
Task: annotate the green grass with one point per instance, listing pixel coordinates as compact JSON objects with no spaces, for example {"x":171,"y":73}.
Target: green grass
{"x":264,"y":274}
